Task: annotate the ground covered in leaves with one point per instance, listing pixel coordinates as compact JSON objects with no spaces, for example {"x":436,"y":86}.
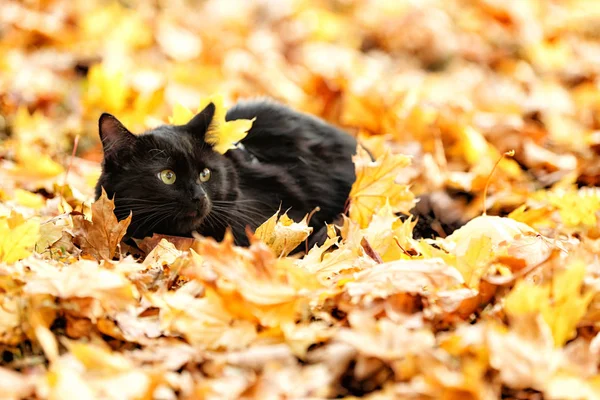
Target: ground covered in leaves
{"x":439,"y":91}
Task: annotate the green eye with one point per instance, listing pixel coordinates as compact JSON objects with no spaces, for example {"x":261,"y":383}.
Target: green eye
{"x":167,"y":176}
{"x":205,"y":175}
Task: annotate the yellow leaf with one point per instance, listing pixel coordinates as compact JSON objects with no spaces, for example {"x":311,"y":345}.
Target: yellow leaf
{"x":34,"y":164}
{"x":50,"y":233}
{"x":116,"y":24}
{"x":106,"y":89}
{"x":561,"y":303}
{"x":473,"y":264}
{"x":526,"y":298}
{"x":223,"y":135}
{"x":181,"y":115}
{"x":532,"y":216}
{"x":282,"y":234}
{"x":576,"y":207}
{"x":99,"y":359}
{"x":376,"y":184}
{"x":28,"y":199}
{"x":17,"y":237}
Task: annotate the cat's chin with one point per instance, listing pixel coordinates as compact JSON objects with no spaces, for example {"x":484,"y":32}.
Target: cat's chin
{"x":191,"y":223}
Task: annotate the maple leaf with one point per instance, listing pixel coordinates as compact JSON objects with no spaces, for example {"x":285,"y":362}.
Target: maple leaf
{"x":333,"y":260}
{"x":100,"y":237}
{"x":221,"y":134}
{"x":282,"y":234}
{"x":17,"y":237}
{"x":376,"y":185}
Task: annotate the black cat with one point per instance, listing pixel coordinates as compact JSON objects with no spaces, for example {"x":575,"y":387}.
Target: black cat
{"x":174,"y":182}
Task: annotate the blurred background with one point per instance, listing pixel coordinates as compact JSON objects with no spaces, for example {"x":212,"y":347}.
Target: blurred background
{"x":454,"y":83}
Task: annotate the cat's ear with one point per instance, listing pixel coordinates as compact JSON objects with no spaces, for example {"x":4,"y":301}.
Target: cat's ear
{"x":114,"y":135}
{"x":201,"y":121}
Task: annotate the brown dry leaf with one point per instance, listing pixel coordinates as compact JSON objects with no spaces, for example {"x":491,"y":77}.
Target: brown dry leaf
{"x":149,"y":243}
{"x":100,"y":237}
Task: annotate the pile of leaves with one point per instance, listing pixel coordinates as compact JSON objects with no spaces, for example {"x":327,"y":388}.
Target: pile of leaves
{"x":438,"y":91}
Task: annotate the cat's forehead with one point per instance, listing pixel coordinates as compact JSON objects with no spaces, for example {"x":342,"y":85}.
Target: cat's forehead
{"x":165,"y":142}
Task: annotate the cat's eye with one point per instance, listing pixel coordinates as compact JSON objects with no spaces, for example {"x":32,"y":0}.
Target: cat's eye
{"x":205,"y":175}
{"x":167,"y":176}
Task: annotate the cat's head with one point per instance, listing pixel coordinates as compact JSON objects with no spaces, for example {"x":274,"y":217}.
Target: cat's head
{"x":168,"y":177}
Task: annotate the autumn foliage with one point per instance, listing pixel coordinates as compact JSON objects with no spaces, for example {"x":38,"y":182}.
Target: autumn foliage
{"x":440,"y":92}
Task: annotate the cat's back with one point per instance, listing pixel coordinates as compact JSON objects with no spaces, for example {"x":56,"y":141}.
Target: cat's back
{"x":311,"y":157}
{"x":282,"y":126}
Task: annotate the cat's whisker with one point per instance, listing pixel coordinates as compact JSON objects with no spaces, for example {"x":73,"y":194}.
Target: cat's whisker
{"x":157,"y":222}
{"x":246,"y":217}
{"x":154,"y":218}
{"x":138,"y":200}
{"x":239,"y":221}
{"x":241,"y":210}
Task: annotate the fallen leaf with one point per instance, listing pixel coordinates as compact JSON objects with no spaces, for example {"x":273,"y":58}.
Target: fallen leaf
{"x":561,"y":304}
{"x":100,"y":237}
{"x":282,"y":234}
{"x":375,"y":186}
{"x":17,"y":237}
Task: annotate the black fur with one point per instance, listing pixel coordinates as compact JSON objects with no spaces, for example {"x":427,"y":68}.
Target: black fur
{"x":291,"y":160}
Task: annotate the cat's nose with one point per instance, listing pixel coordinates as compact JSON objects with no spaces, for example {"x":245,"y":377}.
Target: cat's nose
{"x":198,"y":193}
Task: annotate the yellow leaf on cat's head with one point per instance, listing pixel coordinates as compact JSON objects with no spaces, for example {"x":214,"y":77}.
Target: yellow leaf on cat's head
{"x":223,"y":135}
